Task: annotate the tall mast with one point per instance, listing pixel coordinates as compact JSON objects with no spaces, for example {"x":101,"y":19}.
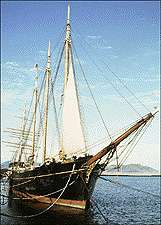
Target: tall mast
{"x":72,"y":132}
{"x":35,"y":110}
{"x":67,"y":45}
{"x":66,"y":66}
{"x":48,"y":76}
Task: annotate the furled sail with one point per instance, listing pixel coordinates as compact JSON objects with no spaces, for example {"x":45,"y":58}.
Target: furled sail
{"x":72,"y":133}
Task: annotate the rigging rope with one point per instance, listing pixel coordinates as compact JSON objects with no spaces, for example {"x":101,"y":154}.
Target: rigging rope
{"x":56,"y":117}
{"x":37,"y":100}
{"x":102,"y":140}
{"x":146,"y":127}
{"x":80,"y":111}
{"x":23,"y":129}
{"x":41,"y":117}
{"x":52,"y":90}
{"x":130,"y":91}
{"x":40,"y":128}
{"x":58,"y":66}
{"x":33,"y":114}
{"x":47,"y":175}
{"x":131,"y":142}
{"x":134,"y":142}
{"x":59,"y":40}
{"x":92,"y":94}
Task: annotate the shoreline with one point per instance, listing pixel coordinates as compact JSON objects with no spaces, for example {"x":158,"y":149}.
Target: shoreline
{"x":131,"y":175}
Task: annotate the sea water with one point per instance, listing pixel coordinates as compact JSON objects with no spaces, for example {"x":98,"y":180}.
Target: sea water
{"x":112,"y":204}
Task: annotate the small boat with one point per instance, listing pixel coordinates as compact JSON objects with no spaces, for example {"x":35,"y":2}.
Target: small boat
{"x":65,"y":182}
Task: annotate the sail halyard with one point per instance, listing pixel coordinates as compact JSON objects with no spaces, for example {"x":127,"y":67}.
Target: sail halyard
{"x":72,"y":132}
{"x":21,"y":138}
{"x":35,"y":111}
{"x":48,"y":76}
{"x":21,"y":146}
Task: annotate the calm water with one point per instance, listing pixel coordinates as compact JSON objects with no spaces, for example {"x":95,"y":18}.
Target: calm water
{"x":118,"y":205}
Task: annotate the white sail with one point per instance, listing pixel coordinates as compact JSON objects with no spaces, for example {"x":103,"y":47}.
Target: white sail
{"x":72,"y":133}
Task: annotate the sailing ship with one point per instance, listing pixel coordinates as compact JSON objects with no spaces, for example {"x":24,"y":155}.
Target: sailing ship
{"x":64,"y":183}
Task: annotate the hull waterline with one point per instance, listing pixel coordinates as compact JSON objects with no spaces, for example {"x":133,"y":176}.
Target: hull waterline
{"x":44,"y":189}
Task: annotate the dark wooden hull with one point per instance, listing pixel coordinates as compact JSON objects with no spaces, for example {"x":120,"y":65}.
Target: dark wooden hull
{"x":42,"y":186}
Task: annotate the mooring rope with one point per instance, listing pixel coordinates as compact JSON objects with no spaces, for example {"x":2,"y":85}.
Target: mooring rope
{"x":47,"y":175}
{"x":129,"y":187}
{"x":40,"y":196}
{"x":28,"y":181}
{"x":100,"y":211}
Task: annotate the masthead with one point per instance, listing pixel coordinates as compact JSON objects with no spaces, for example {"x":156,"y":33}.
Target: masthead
{"x":68,"y":15}
{"x":49,"y":55}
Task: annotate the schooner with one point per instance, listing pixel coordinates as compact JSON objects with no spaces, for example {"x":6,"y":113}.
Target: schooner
{"x":64,"y":183}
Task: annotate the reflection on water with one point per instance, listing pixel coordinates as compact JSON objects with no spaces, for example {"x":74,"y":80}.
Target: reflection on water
{"x":118,"y":206}
{"x":87,"y":218}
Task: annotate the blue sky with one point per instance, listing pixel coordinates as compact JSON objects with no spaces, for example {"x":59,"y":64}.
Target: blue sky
{"x":123,"y":34}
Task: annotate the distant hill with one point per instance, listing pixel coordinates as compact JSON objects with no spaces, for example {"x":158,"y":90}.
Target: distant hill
{"x":132,"y":168}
